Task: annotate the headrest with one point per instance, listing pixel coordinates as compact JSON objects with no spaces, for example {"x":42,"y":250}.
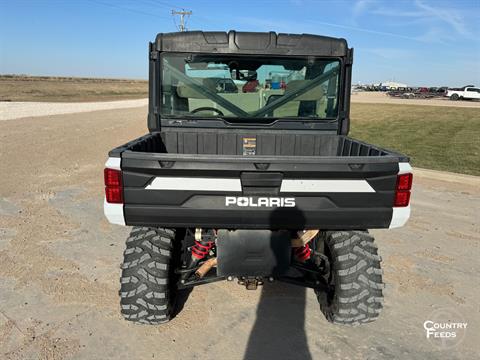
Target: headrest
{"x":313,"y":94}
{"x":187,"y":92}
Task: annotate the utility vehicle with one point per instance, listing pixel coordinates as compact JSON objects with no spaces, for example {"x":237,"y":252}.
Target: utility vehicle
{"x":254,"y":183}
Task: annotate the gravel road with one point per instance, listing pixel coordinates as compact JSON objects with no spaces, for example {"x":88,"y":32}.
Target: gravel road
{"x":14,"y":110}
{"x":59,"y":267}
{"x":372,"y":97}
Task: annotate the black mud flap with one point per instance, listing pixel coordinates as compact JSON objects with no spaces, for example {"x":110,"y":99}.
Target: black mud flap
{"x":253,"y":252}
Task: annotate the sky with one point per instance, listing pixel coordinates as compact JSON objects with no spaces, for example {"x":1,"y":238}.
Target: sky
{"x":417,"y":42}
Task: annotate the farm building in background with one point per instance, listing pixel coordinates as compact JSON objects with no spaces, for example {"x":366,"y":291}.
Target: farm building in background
{"x":390,"y":85}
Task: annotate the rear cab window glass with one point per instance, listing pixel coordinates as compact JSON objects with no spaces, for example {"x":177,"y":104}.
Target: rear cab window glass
{"x":228,"y":86}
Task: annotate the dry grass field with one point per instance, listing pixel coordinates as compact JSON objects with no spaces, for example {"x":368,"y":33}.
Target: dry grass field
{"x":69,"y":89}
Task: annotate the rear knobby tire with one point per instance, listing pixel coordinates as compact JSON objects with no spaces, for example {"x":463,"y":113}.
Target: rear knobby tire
{"x":355,"y":280}
{"x":147,"y":294}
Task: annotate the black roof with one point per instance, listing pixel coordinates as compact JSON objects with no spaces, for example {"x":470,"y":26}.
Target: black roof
{"x":235,"y":42}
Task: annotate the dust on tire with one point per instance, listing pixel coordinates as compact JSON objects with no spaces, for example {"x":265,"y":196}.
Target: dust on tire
{"x":356,"y":294}
{"x":146,"y":294}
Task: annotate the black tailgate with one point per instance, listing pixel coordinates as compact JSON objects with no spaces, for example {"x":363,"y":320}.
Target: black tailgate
{"x":181,"y":190}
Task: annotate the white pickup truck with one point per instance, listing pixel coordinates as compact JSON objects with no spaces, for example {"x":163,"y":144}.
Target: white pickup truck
{"x":467,"y":92}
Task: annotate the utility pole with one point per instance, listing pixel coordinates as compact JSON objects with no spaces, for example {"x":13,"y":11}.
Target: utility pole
{"x":183,"y":13}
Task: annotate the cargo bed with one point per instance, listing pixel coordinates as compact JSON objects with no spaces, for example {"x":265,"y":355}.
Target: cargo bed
{"x":266,"y":143}
{"x":243,"y":179}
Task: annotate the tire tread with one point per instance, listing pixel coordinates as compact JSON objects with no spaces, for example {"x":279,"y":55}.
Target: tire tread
{"x":144,"y":293}
{"x":358,"y":295}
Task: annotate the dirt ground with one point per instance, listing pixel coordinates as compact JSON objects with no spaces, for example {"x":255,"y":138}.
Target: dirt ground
{"x":59,"y":267}
{"x":383,"y":98}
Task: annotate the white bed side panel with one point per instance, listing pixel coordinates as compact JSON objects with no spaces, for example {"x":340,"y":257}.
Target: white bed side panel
{"x":114,"y":213}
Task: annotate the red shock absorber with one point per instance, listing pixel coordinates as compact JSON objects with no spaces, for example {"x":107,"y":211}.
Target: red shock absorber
{"x":204,"y":242}
{"x":302,"y":253}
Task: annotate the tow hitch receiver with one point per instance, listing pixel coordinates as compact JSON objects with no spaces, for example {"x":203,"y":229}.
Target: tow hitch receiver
{"x":251,"y":283}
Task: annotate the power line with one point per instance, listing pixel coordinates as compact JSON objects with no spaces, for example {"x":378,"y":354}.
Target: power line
{"x":161,"y":3}
{"x":182,"y":13}
{"x":126,"y":9}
